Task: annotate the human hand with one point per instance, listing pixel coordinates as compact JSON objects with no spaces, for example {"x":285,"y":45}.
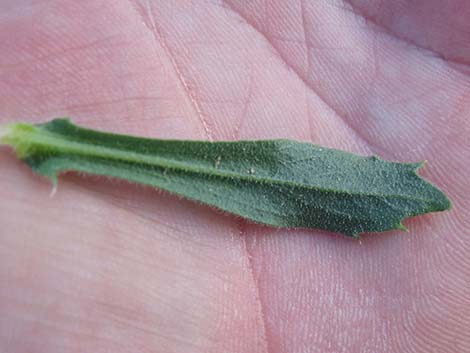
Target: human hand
{"x":107,"y":266}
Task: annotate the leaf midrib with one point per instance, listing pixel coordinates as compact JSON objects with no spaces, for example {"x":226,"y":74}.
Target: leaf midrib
{"x":116,"y":154}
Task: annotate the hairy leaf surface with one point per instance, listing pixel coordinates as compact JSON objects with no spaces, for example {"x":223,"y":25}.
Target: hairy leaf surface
{"x":281,"y":183}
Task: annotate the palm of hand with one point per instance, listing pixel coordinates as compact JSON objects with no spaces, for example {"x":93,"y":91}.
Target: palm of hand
{"x":105,"y":266}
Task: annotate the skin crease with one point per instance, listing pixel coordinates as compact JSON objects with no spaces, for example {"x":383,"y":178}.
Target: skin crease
{"x":104,"y":266}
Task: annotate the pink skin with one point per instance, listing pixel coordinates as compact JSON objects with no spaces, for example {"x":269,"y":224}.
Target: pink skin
{"x":104,"y":266}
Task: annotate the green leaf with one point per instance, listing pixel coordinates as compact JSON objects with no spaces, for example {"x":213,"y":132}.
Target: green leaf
{"x":281,"y":183}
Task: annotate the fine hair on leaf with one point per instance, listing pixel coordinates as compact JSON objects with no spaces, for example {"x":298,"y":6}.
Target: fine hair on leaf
{"x":280,"y":183}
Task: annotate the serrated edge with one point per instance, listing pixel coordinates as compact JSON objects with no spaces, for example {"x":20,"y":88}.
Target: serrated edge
{"x":401,"y":226}
{"x":420,"y":164}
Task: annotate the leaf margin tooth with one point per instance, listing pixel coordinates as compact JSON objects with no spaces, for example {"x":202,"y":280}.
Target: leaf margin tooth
{"x":401,"y":226}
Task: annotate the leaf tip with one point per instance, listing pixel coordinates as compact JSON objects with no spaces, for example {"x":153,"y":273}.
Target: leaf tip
{"x":442,"y":203}
{"x":447,"y":203}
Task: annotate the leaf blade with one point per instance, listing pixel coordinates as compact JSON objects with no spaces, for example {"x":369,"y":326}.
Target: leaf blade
{"x":280,"y":183}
